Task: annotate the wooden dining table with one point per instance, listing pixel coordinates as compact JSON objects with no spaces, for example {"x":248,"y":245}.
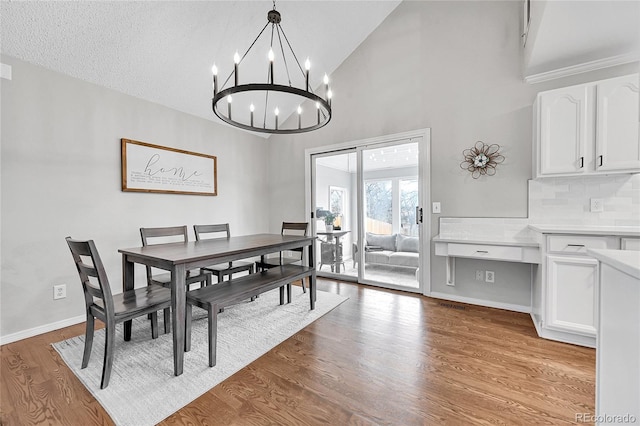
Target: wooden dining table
{"x":178,"y":258}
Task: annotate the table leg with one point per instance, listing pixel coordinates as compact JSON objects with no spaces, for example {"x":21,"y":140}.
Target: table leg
{"x":178,"y":305}
{"x":127,"y":284}
{"x":312,"y":278}
{"x":338,"y":259}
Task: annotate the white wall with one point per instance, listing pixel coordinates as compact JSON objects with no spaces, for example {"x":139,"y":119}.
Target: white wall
{"x":61,"y":176}
{"x":454,"y":67}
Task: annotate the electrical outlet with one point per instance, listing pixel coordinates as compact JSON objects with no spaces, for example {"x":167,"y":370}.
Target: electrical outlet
{"x":490,"y":276}
{"x":597,"y":205}
{"x":59,"y":291}
{"x":479,"y":275}
{"x":435,"y":207}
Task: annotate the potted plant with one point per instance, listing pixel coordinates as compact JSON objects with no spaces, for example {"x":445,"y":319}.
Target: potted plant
{"x":328,"y":221}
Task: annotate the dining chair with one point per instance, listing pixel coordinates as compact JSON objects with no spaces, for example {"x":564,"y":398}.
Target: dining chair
{"x":111,"y":309}
{"x":291,"y":256}
{"x":223,"y":269}
{"x":164,"y":235}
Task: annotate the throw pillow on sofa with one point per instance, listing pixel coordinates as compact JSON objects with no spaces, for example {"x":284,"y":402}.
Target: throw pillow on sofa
{"x":387,"y":242}
{"x":408,"y":244}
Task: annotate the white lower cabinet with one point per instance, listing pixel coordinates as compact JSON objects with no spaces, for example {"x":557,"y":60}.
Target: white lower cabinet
{"x":571,"y":294}
{"x":565,"y":288}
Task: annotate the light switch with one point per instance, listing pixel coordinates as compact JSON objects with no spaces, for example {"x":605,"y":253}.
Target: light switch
{"x":435,"y":207}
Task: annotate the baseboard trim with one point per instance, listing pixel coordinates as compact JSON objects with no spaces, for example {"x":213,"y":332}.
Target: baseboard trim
{"x":481,"y":302}
{"x":25,"y":334}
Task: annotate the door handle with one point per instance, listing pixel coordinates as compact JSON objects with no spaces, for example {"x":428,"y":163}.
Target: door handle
{"x":601,"y":161}
{"x":581,"y":162}
{"x":418,"y":215}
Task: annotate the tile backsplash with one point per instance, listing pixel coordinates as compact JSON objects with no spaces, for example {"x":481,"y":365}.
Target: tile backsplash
{"x":568,"y":200}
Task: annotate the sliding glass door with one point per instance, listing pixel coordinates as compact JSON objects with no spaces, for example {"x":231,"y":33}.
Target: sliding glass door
{"x":335,"y":212}
{"x":390,"y":197}
{"x":365,"y":203}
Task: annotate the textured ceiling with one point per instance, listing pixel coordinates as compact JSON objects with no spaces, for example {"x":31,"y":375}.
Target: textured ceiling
{"x":162,"y":51}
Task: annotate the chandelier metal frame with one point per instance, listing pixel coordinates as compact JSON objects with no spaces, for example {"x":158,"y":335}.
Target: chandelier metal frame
{"x":322,"y":105}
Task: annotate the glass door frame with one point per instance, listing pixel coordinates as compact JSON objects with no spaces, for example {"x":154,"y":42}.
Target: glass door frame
{"x":310,"y":203}
{"x":362,"y":214}
{"x":423,"y":137}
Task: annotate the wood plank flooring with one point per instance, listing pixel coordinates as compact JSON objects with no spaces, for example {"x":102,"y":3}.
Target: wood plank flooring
{"x":381,"y":358}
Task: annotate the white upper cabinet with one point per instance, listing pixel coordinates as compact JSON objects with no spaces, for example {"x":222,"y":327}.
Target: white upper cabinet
{"x":588,"y":129}
{"x":617,"y":142}
{"x":566,"y":130}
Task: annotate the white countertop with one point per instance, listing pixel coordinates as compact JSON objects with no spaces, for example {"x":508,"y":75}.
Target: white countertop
{"x":622,"y":231}
{"x":497,"y":240}
{"x":627,"y":261}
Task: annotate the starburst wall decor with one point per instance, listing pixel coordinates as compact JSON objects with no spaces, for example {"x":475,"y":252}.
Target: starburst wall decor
{"x":482,"y":159}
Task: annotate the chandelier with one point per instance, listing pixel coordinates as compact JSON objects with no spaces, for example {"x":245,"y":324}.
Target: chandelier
{"x":258,"y":106}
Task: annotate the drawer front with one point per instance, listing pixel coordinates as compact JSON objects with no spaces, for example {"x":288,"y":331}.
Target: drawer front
{"x":481,"y":251}
{"x":578,"y":244}
{"x":630,"y":244}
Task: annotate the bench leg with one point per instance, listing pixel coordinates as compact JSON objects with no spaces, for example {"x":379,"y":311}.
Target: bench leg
{"x":289,"y":293}
{"x":167,"y":320}
{"x":187,"y":327}
{"x":282,"y":295}
{"x":213,"y":333}
{"x":154,"y":325}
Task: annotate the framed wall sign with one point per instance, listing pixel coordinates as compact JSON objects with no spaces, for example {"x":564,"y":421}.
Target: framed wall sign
{"x":154,"y":168}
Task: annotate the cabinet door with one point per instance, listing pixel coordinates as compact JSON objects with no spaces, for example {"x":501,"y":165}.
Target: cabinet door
{"x":617,"y":141}
{"x":566,"y":131}
{"x":571,"y":294}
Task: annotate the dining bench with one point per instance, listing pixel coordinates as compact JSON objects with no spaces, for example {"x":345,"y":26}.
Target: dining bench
{"x":214,"y":297}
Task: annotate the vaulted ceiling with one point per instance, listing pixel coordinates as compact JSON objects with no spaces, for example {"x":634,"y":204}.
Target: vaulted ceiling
{"x":162,"y":51}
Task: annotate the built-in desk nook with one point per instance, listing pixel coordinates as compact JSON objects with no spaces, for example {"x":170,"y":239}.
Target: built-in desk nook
{"x":564,"y":273}
{"x":507,"y":240}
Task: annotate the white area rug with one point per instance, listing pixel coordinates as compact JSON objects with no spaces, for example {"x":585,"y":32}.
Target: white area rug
{"x":143,"y":389}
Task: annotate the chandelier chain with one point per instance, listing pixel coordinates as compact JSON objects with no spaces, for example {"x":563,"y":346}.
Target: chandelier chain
{"x":294,"y":54}
{"x":245,"y":53}
{"x":286,"y":66}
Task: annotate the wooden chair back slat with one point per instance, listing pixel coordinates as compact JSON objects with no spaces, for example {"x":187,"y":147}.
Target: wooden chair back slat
{"x":295,"y":228}
{"x":149,"y":236}
{"x":96,"y":270}
{"x":167,"y":231}
{"x":200,"y":230}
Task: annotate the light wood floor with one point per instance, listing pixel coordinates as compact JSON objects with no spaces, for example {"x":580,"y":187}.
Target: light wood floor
{"x":382,"y":357}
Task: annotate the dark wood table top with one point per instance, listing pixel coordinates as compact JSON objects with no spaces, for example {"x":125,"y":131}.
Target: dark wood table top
{"x":222,"y":248}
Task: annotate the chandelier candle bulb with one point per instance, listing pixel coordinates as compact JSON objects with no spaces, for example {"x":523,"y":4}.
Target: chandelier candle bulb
{"x":229,"y":100}
{"x":271,"y":58}
{"x":276,"y":112}
{"x":325,"y":80}
{"x":236,"y":61}
{"x":252,"y":108}
{"x":214,"y":71}
{"x":307,"y":67}
{"x":318,"y":108}
{"x":299,"y":117}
